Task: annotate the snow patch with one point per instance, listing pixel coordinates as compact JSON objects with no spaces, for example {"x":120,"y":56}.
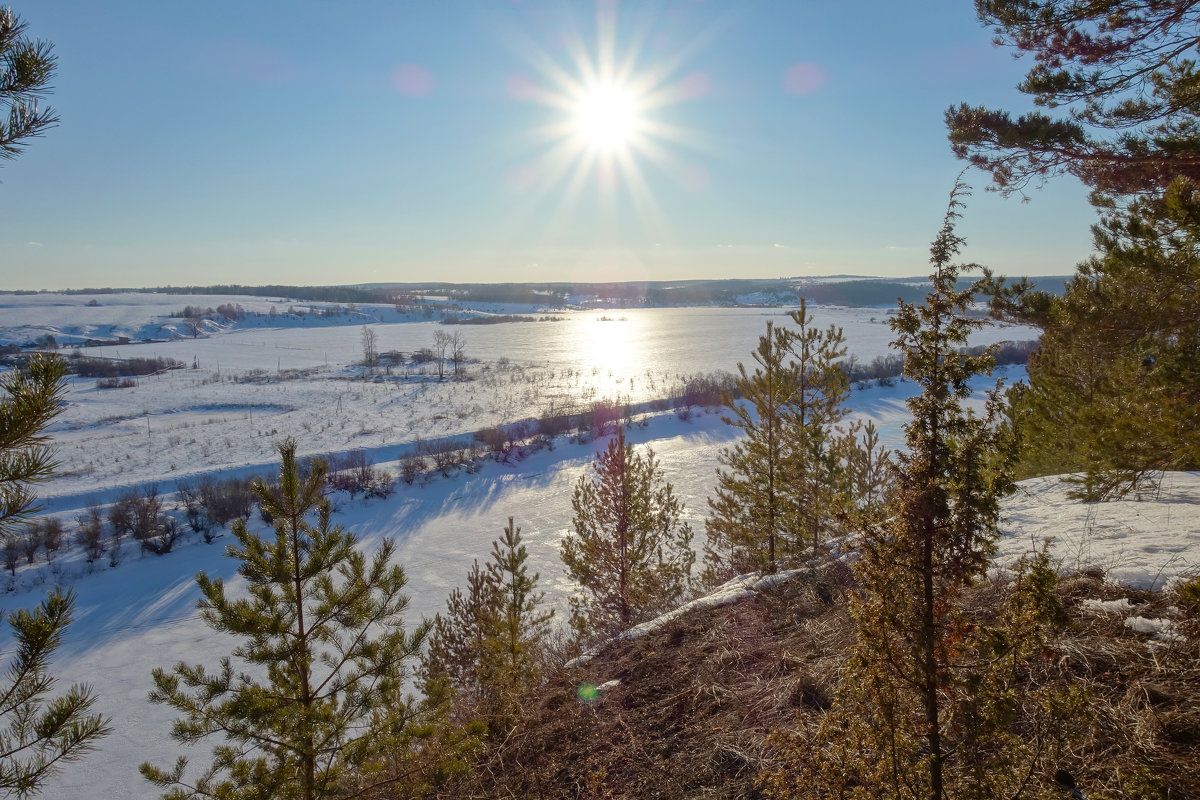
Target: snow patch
{"x":1107,"y":606}
{"x":1163,"y":630}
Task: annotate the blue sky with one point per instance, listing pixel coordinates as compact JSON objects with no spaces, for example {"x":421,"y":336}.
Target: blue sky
{"x":307,"y":142}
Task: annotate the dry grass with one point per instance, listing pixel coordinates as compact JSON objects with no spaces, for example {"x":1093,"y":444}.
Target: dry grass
{"x":1145,"y":693}
{"x":698,"y":700}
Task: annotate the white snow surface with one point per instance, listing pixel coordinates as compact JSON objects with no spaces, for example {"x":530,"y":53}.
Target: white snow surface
{"x":1118,"y":606}
{"x":1142,"y":543}
{"x":255,"y":385}
{"x":1163,"y":630}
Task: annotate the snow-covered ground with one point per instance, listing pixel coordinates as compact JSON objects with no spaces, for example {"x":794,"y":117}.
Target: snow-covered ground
{"x":73,"y":319}
{"x":1143,"y":543}
{"x":274,"y":382}
{"x":293,"y":372}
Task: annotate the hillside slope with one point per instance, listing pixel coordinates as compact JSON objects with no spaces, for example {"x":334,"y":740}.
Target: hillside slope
{"x":698,"y":703}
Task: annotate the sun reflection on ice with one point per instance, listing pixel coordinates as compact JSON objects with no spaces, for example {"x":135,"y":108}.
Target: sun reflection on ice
{"x":612,"y":345}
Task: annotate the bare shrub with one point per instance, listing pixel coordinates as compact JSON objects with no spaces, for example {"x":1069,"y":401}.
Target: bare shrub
{"x":494,"y":439}
{"x":411,"y":468}
{"x":51,"y":531}
{"x":1006,"y":352}
{"x":12,"y":553}
{"x":193,"y":507}
{"x":227,"y":500}
{"x":90,"y":533}
{"x":167,"y":533}
{"x":88,"y":367}
{"x":231,"y":311}
{"x":355,"y":473}
{"x":554,"y":425}
{"x":504,"y":441}
{"x":704,"y":390}
{"x":141,"y":515}
{"x":31,"y":543}
{"x":116,"y":383}
{"x":121,"y":514}
{"x":603,"y":417}
{"x":445,"y":455}
{"x":881,"y":368}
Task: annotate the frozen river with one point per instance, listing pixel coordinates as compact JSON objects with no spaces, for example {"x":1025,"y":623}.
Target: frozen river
{"x":607,"y":348}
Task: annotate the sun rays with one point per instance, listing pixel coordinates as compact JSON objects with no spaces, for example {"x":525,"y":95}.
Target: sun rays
{"x":606,"y":127}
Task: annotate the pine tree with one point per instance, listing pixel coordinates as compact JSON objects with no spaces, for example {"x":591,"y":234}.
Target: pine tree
{"x":944,"y":513}
{"x":908,"y":720}
{"x":26,"y":67}
{"x":868,"y":464}
{"x":1114,"y":385}
{"x":519,"y":625}
{"x":1123,"y":72}
{"x":458,"y":652}
{"x":40,"y":733}
{"x":751,"y":501}
{"x":629,"y":553}
{"x":324,"y":648}
{"x":820,"y":494}
{"x":32,"y":397}
{"x":784,"y":486}
{"x":1114,"y":388}
{"x":486,"y":646}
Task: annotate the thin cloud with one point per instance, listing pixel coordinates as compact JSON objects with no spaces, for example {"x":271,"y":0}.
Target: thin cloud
{"x":33,"y":244}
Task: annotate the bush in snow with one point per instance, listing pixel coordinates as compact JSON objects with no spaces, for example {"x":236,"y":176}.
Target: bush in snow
{"x":355,"y":473}
{"x":141,"y":515}
{"x":411,"y":468}
{"x":227,"y":500}
{"x":12,"y":553}
{"x":90,"y":533}
{"x":50,"y":531}
{"x":87,"y":367}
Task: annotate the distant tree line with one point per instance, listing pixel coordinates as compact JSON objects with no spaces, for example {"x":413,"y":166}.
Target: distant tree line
{"x":535,"y":294}
{"x":90,"y":367}
{"x":496,"y":319}
{"x":855,"y":293}
{"x":886,"y":367}
{"x":230,"y":311}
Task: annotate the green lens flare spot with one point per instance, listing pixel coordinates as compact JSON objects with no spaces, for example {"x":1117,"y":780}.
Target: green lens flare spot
{"x":588,"y":692}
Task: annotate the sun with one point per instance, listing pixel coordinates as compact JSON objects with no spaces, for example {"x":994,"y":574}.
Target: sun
{"x":607,"y":117}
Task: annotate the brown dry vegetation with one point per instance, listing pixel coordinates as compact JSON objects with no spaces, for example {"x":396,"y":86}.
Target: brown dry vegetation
{"x":699,"y":699}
